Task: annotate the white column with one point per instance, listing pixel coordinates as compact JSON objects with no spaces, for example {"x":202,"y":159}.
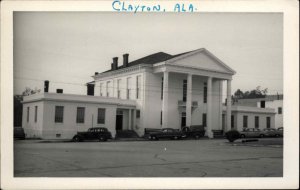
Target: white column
{"x":165,"y":100}
{"x":209,"y":108}
{"x":134,"y":120}
{"x":129,"y":120}
{"x":228,"y":106}
{"x":189,"y":101}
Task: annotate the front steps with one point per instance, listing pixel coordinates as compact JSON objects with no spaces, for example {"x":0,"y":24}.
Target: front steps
{"x":218,"y":134}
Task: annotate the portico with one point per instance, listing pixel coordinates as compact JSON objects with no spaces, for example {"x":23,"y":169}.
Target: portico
{"x":212,"y":80}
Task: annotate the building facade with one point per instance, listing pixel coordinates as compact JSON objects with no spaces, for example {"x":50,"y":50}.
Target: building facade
{"x":274,"y":102}
{"x":156,"y":91}
{"x":250,"y":117}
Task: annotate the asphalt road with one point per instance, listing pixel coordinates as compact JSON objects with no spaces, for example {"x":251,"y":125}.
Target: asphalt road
{"x":181,"y":158}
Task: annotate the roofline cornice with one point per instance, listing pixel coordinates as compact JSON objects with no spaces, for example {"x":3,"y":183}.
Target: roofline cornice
{"x":122,"y":71}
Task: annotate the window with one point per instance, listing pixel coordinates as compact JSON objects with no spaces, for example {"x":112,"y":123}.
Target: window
{"x":256,"y":122}
{"x":204,"y":120}
{"x":162,"y":88}
{"x":262,"y":104}
{"x":128,"y":88}
{"x":183,"y":119}
{"x":232,"y":121}
{"x":80,"y":115}
{"x":101,"y":116}
{"x":107,"y":88}
{"x":268,"y":122}
{"x":59,"y":114}
{"x":138,"y":113}
{"x":205,"y":93}
{"x":279,"y":110}
{"x":101,"y":86}
{"x":245,"y":121}
{"x":35,"y":113}
{"x":28,"y":109}
{"x":184,"y":90}
{"x":118,"y":88}
{"x":138,"y":86}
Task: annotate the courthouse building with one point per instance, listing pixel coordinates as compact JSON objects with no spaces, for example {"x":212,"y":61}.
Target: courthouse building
{"x":156,"y":91}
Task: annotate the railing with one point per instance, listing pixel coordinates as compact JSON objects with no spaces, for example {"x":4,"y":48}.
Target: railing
{"x":183,"y":104}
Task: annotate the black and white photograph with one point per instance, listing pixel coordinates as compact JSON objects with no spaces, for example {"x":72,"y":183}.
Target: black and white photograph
{"x":145,"y":92}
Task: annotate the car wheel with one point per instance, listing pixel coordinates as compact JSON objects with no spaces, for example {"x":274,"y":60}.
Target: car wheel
{"x":243,"y":136}
{"x":277,"y":135}
{"x":197,"y":136}
{"x":261,"y":135}
{"x":76,"y":139}
{"x":175,"y":138}
{"x":102,"y":139}
{"x":154,"y":138}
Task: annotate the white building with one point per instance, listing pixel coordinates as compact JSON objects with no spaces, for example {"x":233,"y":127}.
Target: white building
{"x":274,"y":102}
{"x":157,"y":91}
{"x":251,"y":117}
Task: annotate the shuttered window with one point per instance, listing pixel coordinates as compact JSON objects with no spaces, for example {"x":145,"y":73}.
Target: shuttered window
{"x":101,"y":116}
{"x":256,"y":122}
{"x":35,"y":113}
{"x":59,"y":114}
{"x":80,"y":115}
{"x":245,"y":121}
{"x":205,"y":93}
{"x":28,"y":109}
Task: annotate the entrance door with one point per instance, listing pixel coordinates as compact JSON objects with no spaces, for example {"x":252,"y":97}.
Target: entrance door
{"x":183,"y":119}
{"x":119,"y":122}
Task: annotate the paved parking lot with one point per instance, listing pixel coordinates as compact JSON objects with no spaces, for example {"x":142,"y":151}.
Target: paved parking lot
{"x":182,"y":158}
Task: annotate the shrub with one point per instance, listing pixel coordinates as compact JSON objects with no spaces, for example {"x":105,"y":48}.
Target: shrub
{"x":232,"y":135}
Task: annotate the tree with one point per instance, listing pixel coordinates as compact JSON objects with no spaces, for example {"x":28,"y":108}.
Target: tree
{"x":18,"y":106}
{"x":18,"y":110}
{"x":28,"y":91}
{"x":255,"y":93}
{"x":239,"y":94}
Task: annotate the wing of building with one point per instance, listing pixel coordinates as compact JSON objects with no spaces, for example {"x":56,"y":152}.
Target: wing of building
{"x":156,"y":91}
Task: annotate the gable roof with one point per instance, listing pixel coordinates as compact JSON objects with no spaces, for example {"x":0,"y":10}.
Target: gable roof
{"x":151,"y":59}
{"x":204,"y":52}
{"x":162,"y":56}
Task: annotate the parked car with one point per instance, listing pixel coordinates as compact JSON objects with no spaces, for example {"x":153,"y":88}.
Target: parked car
{"x":96,"y":133}
{"x":280,"y":131}
{"x":19,"y":133}
{"x":270,"y":132}
{"x":251,"y":132}
{"x":195,"y":131}
{"x":166,"y":133}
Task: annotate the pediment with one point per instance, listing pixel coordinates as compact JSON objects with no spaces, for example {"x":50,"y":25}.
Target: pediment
{"x":201,"y":59}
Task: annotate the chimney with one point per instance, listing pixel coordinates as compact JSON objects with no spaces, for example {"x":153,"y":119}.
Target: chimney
{"x":112,"y":66}
{"x":125,"y":59}
{"x":59,"y":91}
{"x":90,"y":89}
{"x":46,"y":86}
{"x":115,"y":63}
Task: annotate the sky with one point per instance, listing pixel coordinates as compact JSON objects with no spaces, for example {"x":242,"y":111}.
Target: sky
{"x":67,"y":48}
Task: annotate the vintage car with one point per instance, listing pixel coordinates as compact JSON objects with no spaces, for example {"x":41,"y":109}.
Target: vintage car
{"x":251,"y":132}
{"x":96,"y":133}
{"x":270,"y":132}
{"x":280,"y":131}
{"x":166,"y":133}
{"x":19,"y":133}
{"x":195,"y":131}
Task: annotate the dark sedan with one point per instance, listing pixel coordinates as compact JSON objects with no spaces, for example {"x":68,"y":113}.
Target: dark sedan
{"x":96,"y":133}
{"x":167,"y":133}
